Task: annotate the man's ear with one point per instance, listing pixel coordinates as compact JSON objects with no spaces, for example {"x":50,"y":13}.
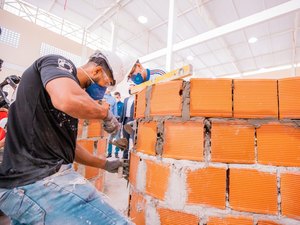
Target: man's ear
{"x":97,"y":73}
{"x":138,"y":65}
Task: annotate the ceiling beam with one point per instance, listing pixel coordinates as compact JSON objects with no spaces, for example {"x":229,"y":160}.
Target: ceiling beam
{"x":265,"y":15}
{"x":171,"y":34}
{"x":1,"y":4}
{"x":204,"y":13}
{"x":51,"y":6}
{"x":108,"y":13}
{"x":137,"y":36}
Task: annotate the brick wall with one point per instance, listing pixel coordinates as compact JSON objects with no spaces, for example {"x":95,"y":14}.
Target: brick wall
{"x":93,"y":138}
{"x":217,"y":151}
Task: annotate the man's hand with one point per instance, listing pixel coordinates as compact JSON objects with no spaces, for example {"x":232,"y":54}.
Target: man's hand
{"x":112,"y":166}
{"x":104,"y":104}
{"x":121,"y":143}
{"x":111,"y":124}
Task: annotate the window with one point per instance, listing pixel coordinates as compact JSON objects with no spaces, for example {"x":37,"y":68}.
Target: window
{"x":9,"y":37}
{"x":49,"y":49}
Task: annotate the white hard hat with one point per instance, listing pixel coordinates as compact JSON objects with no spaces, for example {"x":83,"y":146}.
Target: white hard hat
{"x":114,"y":63}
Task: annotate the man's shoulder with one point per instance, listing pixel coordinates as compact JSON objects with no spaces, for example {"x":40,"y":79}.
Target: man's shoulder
{"x":157,"y":72}
{"x":51,"y":56}
{"x":58,"y":61}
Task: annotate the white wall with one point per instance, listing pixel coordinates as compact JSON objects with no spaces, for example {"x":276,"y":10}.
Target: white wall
{"x":16,"y":60}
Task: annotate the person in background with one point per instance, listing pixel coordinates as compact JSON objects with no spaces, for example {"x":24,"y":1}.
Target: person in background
{"x":127,"y":116}
{"x":120,"y":104}
{"x":3,"y":218}
{"x":114,"y":110}
{"x":2,"y":109}
{"x":138,"y":74}
{"x":120,"y":108}
{"x":37,"y":182}
{"x":2,"y":141}
{"x":1,"y":62}
{"x":112,"y":102}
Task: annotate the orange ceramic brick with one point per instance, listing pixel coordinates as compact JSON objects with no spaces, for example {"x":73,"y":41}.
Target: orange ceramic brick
{"x":99,"y":182}
{"x":290,"y":195}
{"x":166,"y":99}
{"x":255,"y":99}
{"x":232,"y":142}
{"x":94,"y":128}
{"x":91,"y":172}
{"x":278,"y":144}
{"x":157,"y":179}
{"x":183,"y":140}
{"x":134,"y":163}
{"x":87,"y":144}
{"x":101,"y":147}
{"x":207,"y":186}
{"x":146,"y":137}
{"x":268,"y":222}
{"x":253,"y":191}
{"x":140,"y":104}
{"x":289,"y":97}
{"x":137,"y":209}
{"x":80,"y":128}
{"x":171,"y":217}
{"x":211,"y":97}
{"x":230,"y":220}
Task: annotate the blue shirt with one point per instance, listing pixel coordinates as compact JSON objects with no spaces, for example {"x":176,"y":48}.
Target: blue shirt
{"x":112,"y":102}
{"x":120,"y":107}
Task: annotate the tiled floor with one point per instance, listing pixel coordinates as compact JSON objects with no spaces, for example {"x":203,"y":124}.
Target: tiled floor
{"x":117,"y":192}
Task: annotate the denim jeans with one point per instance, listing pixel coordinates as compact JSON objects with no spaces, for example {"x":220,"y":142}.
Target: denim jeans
{"x":63,"y":198}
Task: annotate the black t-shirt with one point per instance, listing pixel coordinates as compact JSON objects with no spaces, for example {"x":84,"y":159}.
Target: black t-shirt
{"x":39,"y":137}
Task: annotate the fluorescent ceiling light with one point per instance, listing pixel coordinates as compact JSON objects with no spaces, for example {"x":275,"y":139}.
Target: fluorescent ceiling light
{"x":190,"y":58}
{"x":252,"y":40}
{"x":142,"y":19}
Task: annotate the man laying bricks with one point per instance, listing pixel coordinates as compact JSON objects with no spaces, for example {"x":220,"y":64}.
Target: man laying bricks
{"x":138,"y":74}
{"x":37,"y":182}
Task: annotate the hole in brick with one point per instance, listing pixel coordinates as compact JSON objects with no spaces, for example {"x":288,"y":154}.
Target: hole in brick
{"x":129,"y":200}
{"x":180,"y":92}
{"x":279,"y":196}
{"x":159,"y":143}
{"x":207,"y":140}
{"x":227,"y":186}
{"x":159,"y":138}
